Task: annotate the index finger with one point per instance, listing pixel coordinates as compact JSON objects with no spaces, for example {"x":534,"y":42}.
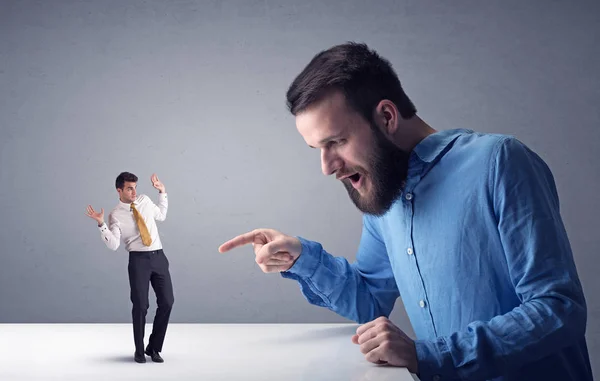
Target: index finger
{"x":238,"y":241}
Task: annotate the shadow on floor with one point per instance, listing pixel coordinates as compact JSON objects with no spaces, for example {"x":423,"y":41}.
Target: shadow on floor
{"x":316,"y":334}
{"x":119,"y":359}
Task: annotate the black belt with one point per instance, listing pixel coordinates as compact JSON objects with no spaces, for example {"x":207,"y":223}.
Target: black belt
{"x":148,"y":252}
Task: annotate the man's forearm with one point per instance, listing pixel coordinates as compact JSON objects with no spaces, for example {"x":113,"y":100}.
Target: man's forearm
{"x":111,"y":240}
{"x":334,"y":283}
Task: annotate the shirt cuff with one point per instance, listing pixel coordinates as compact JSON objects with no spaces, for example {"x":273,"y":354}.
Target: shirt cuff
{"x":309,"y":259}
{"x":435,"y":360}
{"x":103,"y":227}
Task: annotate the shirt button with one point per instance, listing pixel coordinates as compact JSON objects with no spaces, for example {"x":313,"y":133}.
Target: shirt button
{"x":409,"y":251}
{"x":422,"y":303}
{"x":408,"y":196}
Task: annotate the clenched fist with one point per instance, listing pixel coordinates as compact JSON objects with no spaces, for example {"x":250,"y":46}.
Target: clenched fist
{"x":383,"y":343}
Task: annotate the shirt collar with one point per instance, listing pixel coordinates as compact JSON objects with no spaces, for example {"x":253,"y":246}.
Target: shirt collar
{"x":123,"y":205}
{"x":434,"y":145}
{"x":127,"y":206}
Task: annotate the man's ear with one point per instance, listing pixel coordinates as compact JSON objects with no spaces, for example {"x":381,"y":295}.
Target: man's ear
{"x":386,"y":117}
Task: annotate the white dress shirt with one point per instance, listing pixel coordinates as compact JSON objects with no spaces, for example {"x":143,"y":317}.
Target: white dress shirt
{"x":122,"y":225}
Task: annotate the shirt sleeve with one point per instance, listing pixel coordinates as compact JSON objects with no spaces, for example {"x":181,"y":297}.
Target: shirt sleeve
{"x":160,"y":210}
{"x":111,"y":234}
{"x":361,"y":291}
{"x":552,"y":313}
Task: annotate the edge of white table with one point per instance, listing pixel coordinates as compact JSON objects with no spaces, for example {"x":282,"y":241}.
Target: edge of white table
{"x":191,"y":352}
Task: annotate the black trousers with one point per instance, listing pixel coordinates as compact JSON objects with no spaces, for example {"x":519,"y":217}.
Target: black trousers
{"x":150,"y":267}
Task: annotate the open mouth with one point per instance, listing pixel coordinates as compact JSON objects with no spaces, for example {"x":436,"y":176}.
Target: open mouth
{"x":355,"y":178}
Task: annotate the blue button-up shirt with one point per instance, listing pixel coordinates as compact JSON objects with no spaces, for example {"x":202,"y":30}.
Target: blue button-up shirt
{"x":476,"y":247}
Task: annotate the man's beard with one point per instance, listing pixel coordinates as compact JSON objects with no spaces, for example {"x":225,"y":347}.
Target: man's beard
{"x":388,"y":168}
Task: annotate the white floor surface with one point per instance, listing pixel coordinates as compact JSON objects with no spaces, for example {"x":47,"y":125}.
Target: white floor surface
{"x":85,"y":352}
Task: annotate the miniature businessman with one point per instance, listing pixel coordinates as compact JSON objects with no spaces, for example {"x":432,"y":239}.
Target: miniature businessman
{"x":133,"y":221}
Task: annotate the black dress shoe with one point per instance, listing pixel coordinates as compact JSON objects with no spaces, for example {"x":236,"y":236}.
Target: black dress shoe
{"x":139,"y":357}
{"x":154,"y":355}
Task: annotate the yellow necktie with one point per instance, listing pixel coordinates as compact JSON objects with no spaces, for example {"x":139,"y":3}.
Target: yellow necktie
{"x":141,"y":226}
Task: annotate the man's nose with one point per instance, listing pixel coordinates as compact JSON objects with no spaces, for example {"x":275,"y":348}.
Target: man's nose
{"x":330,"y":162}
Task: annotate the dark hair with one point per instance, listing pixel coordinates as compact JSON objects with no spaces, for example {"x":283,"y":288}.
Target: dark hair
{"x":123,"y":177}
{"x":358,"y":72}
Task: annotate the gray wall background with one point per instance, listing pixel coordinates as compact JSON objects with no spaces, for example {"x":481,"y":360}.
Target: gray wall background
{"x":194,"y":91}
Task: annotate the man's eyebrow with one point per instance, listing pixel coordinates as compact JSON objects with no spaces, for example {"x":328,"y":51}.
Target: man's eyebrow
{"x":325,"y":140}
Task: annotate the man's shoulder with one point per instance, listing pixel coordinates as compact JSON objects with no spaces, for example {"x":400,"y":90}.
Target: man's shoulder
{"x":141,"y":198}
{"x":483,"y":141}
{"x":500,"y":146}
{"x":503,"y":153}
{"x":114,"y":213}
{"x":482,"y":149}
{"x":144,"y":200}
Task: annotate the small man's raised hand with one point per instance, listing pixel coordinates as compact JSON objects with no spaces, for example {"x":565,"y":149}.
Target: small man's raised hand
{"x":156,"y":183}
{"x":98,"y":216}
